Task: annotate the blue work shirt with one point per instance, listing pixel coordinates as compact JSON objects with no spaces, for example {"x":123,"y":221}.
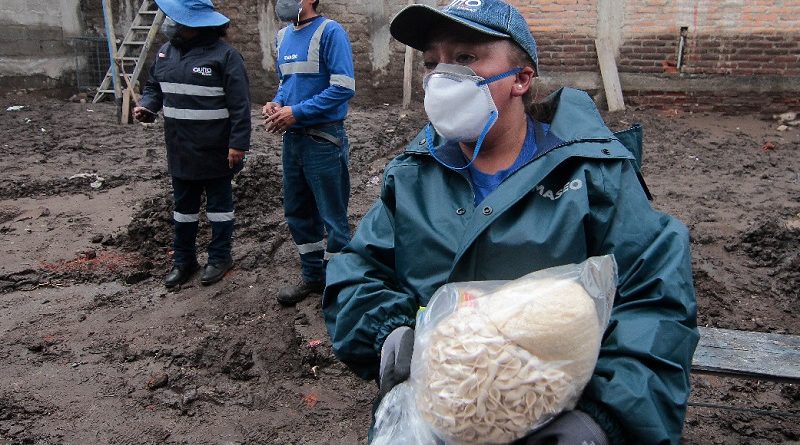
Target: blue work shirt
{"x":315,"y":66}
{"x":485,"y":183}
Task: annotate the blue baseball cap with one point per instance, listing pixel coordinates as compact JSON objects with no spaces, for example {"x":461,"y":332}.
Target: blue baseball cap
{"x":491,"y":17}
{"x":192,"y":13}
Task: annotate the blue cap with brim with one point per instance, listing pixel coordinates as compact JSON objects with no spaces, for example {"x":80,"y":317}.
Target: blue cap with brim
{"x":192,"y":13}
{"x":496,"y":18}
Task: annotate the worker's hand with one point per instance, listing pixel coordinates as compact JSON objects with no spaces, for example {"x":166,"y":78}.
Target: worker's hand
{"x":280,"y":120}
{"x":235,"y":156}
{"x":270,"y":108}
{"x":142,"y":114}
{"x":396,"y":353}
{"x":570,"y":428}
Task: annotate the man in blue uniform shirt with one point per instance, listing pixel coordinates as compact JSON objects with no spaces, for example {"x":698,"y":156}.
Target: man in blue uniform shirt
{"x":200,"y":84}
{"x":315,"y":65}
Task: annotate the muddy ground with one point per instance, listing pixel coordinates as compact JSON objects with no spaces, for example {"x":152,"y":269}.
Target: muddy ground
{"x":95,"y":350}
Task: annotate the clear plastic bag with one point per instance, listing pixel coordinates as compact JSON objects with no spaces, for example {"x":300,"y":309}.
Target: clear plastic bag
{"x":397,"y":420}
{"x":495,"y":360}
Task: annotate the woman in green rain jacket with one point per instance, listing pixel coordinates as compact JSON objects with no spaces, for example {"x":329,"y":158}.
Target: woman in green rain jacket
{"x":579,"y":196}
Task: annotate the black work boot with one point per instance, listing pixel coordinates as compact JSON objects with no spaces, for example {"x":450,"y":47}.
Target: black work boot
{"x":214,"y":272}
{"x":291,"y":295}
{"x":179,"y":275}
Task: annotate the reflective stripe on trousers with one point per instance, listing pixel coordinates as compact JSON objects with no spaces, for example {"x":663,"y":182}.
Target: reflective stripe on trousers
{"x":219,"y":210}
{"x":316,"y":184}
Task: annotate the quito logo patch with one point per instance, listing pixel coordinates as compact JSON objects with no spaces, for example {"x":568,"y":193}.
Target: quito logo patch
{"x":466,"y":5}
{"x":203,"y":71}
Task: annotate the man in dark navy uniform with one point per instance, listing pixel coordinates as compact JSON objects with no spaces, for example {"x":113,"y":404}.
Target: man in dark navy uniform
{"x":200,"y":84}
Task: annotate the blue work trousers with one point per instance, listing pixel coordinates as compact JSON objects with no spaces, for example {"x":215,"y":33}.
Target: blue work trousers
{"x":316,"y":190}
{"x":219,"y":210}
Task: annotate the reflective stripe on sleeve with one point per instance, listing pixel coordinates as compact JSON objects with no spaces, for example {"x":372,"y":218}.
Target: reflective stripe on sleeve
{"x":343,"y":81}
{"x":219,"y":216}
{"x":311,"y":247}
{"x":329,"y":255}
{"x":185,"y":218}
{"x":196,"y":115}
{"x":191,"y":90}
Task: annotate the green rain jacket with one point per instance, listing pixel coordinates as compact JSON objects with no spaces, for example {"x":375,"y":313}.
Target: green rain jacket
{"x":580,"y":197}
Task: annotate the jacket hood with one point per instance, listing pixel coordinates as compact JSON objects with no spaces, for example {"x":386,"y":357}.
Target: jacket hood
{"x":569,"y":106}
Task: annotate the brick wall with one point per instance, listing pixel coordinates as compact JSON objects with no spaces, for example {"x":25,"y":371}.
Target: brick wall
{"x":730,"y":102}
{"x":378,"y":59}
{"x":564,"y":31}
{"x":723,"y":38}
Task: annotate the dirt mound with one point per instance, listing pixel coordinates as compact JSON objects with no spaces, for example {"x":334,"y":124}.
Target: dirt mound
{"x":776,"y":246}
{"x":150,"y":231}
{"x":257,"y":192}
{"x":773,"y":243}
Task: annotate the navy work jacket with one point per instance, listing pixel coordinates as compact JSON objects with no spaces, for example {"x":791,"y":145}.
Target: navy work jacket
{"x":204,"y":94}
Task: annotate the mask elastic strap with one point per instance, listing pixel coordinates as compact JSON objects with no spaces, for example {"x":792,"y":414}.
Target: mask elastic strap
{"x":497,"y":77}
{"x":478,"y":143}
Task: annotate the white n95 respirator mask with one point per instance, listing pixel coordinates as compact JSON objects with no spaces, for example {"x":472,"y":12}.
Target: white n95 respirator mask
{"x":459,"y":104}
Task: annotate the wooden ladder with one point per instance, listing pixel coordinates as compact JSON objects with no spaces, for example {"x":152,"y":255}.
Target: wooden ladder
{"x":134,"y":49}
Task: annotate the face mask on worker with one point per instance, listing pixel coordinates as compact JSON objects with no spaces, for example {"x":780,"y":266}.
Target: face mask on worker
{"x":288,"y":10}
{"x":460,"y":106}
{"x":170,"y":28}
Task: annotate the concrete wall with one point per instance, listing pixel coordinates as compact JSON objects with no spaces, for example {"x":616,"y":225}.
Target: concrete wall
{"x":34,"y":52}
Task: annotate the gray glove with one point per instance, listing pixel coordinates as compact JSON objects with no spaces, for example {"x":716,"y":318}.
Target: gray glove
{"x":571,"y":428}
{"x":396,"y":359}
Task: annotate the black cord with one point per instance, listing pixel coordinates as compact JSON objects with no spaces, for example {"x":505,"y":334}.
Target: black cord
{"x":308,"y":20}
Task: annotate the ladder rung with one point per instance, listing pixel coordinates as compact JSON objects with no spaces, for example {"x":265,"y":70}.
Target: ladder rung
{"x":134,"y":43}
{"x":148,"y":12}
{"x":108,"y":75}
{"x":105,"y":91}
{"x":141,"y":27}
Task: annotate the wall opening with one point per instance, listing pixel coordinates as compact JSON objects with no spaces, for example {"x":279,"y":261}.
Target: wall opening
{"x":682,"y":46}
